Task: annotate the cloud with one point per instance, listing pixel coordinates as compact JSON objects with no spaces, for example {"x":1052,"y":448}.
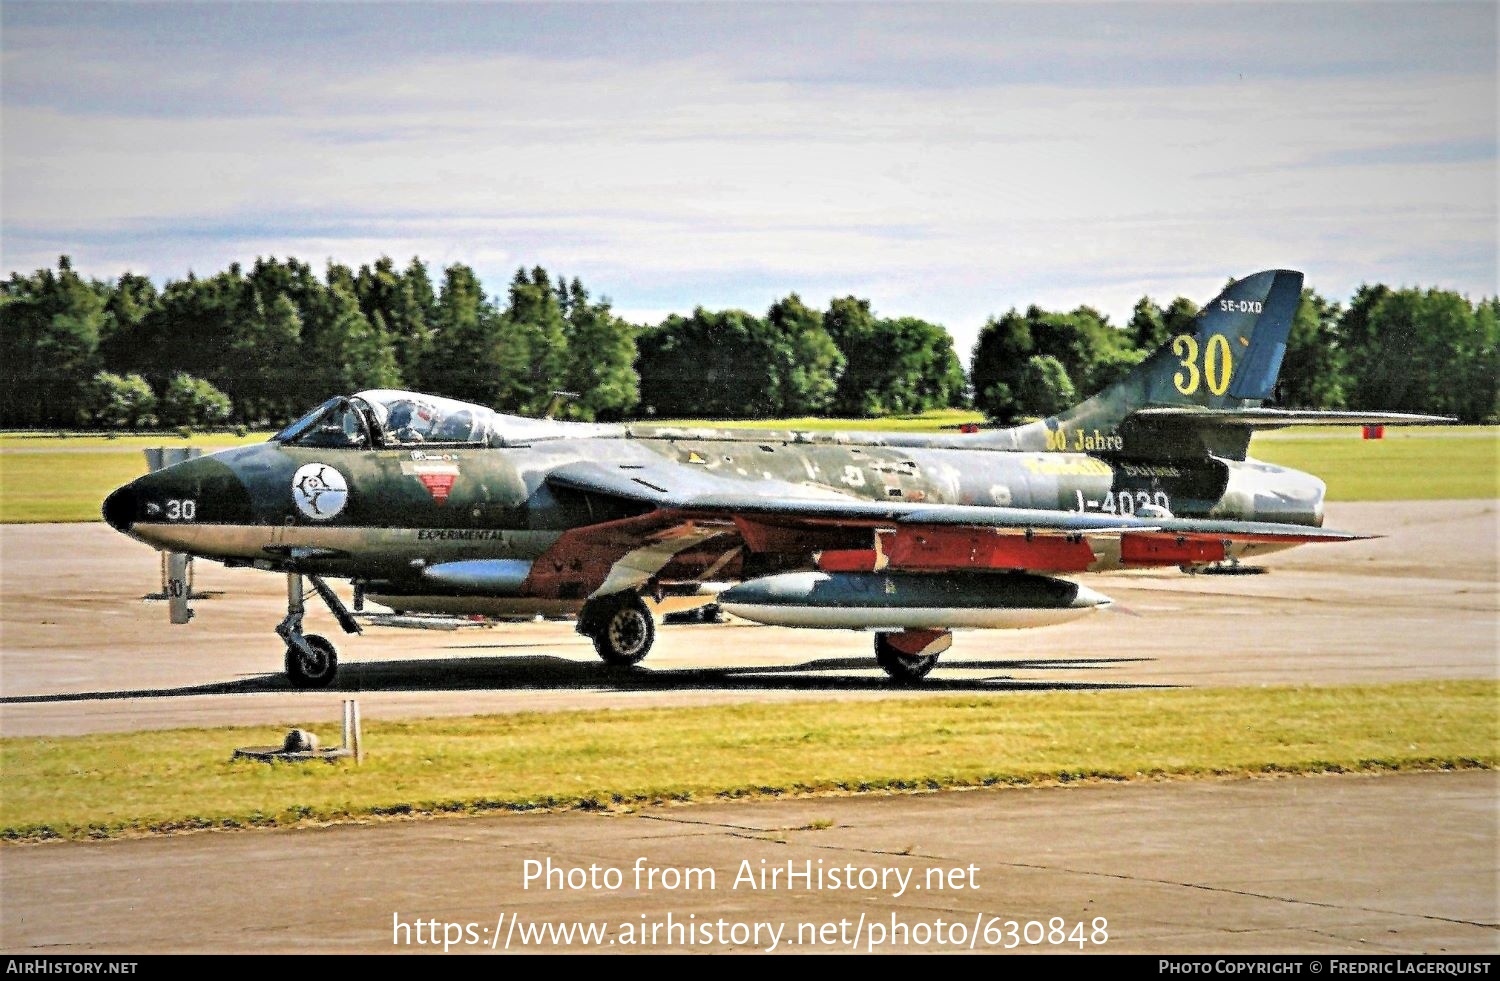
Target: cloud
{"x":728,"y":154}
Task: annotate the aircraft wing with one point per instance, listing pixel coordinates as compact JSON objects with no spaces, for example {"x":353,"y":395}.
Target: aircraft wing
{"x":688,"y":493}
{"x":690,"y":522}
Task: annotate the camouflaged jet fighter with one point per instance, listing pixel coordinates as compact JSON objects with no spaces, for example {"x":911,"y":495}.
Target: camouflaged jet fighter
{"x":429,"y":505}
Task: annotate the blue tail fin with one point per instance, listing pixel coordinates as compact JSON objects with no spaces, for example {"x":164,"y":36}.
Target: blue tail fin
{"x":1228,"y":363}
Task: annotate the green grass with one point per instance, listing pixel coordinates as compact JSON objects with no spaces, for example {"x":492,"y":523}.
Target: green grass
{"x":97,"y":786}
{"x":17,"y":440}
{"x":52,"y":477}
{"x":1408,"y":464}
{"x":62,"y":486}
{"x":926,"y":422}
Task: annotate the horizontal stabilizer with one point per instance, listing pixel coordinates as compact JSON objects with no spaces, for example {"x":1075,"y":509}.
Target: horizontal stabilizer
{"x":1261,"y":418}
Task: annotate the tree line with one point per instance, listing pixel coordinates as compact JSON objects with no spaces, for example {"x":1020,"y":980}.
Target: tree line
{"x":1411,"y":350}
{"x":257,"y":346}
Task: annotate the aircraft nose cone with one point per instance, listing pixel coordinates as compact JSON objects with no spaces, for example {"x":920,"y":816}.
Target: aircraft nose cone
{"x":120,"y":509}
{"x":1087,"y":598}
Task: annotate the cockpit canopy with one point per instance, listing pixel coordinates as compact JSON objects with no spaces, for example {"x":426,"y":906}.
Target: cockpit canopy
{"x":384,"y":419}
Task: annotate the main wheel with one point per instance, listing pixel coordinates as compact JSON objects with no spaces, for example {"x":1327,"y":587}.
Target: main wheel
{"x":903,"y":668}
{"x":315,"y":670}
{"x":622,"y":631}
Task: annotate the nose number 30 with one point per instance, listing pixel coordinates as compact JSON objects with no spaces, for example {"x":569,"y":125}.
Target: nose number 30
{"x":185,"y":509}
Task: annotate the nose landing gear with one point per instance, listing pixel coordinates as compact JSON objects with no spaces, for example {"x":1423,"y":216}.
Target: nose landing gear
{"x":311,"y":659}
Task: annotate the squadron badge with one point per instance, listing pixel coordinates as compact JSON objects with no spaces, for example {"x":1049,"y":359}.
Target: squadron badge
{"x":319,"y":490}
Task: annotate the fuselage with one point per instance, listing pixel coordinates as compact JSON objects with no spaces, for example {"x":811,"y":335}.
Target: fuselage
{"x":381,"y":515}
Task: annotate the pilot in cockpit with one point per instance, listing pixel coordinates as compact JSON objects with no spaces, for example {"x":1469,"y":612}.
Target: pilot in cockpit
{"x":457,"y":428}
{"x":405,"y":424}
{"x":392,"y":419}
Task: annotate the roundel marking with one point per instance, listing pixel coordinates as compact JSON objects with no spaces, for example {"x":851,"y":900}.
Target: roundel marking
{"x":319,"y":490}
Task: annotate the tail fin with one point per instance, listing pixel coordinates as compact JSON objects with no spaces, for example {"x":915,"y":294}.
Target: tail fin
{"x":1229,"y":363}
{"x":1199,"y":394}
{"x":1235,"y":355}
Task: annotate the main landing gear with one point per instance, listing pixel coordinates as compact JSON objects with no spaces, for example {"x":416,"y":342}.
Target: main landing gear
{"x":908,"y":656}
{"x":311,"y":659}
{"x":620,"y":627}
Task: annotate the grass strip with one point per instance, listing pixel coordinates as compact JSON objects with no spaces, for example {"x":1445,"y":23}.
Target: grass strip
{"x":20,"y":439}
{"x":155,"y":782}
{"x":932,"y":421}
{"x":1445,"y":462}
{"x":62,"y":486}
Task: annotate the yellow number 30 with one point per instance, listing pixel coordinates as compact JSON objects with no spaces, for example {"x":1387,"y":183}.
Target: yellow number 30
{"x":1218,"y":364}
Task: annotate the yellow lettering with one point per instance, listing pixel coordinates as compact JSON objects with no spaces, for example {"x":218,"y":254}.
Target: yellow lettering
{"x":1186,"y":349}
{"x":1061,"y":467}
{"x":1218,"y":364}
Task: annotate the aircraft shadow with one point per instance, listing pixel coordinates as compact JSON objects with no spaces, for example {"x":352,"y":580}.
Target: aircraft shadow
{"x":543,"y":672}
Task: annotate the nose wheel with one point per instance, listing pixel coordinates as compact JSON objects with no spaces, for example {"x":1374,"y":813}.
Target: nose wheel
{"x":311,"y":659}
{"x":312,"y":663}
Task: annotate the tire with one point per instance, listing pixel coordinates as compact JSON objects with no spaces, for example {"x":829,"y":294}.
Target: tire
{"x":305,"y":672}
{"x":708,"y":613}
{"x":622,"y":631}
{"x":902,"y":668}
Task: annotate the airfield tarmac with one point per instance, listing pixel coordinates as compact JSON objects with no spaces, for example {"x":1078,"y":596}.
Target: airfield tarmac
{"x":1352,"y":865}
{"x":1401,"y":863}
{"x":82,"y":652}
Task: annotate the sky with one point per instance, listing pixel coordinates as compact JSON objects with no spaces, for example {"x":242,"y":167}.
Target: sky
{"x":946,"y":161}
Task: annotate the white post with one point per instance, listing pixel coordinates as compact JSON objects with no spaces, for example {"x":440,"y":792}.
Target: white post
{"x":359,"y":743}
{"x":179,"y":587}
{"x":176,"y":567}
